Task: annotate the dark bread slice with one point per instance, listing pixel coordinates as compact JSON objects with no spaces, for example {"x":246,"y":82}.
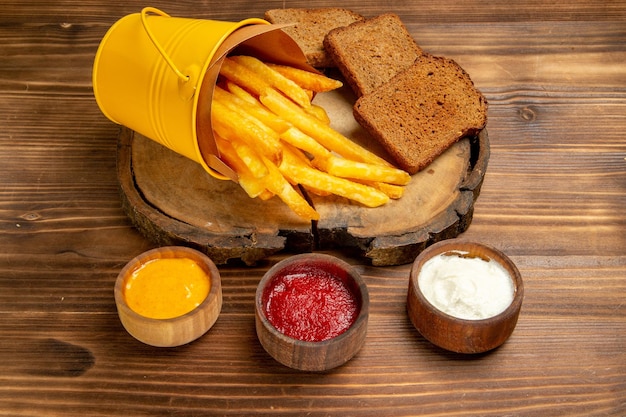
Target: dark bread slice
{"x":422,"y":111}
{"x":369,"y":53}
{"x":310,"y":28}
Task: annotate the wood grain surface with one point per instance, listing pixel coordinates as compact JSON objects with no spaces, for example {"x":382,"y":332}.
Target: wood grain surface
{"x":553,"y":200}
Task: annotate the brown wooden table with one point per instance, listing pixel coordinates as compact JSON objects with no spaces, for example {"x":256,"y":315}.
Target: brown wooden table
{"x":553,"y":199}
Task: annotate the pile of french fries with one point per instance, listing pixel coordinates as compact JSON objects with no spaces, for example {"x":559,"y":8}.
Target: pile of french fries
{"x":270,"y":133}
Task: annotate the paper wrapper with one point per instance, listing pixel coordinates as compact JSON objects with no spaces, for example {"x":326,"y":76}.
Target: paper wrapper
{"x":265,"y":42}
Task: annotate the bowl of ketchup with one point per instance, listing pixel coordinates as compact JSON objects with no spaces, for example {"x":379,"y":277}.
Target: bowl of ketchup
{"x":311,"y":312}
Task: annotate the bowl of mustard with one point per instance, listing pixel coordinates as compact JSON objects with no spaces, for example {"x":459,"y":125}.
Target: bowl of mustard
{"x":168,"y":296}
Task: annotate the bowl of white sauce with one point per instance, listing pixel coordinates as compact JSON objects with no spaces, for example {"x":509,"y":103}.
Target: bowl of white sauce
{"x":464,"y":296}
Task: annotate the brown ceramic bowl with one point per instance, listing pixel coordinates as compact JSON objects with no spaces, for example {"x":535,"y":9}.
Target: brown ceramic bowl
{"x":311,"y":355}
{"x":463,"y":335}
{"x":179,"y":330}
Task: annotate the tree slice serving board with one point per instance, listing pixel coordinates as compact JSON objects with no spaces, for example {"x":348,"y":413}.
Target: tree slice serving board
{"x":173,"y":201}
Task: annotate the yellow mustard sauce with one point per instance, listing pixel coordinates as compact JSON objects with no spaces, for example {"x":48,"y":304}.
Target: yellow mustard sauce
{"x":167,"y":288}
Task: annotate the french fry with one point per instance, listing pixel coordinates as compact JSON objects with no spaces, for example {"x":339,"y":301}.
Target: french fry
{"x":240,"y":92}
{"x":321,"y":193}
{"x":306,"y":79}
{"x":347,"y":168}
{"x":244,"y":77}
{"x":253,"y":160}
{"x":251,"y":185}
{"x":275,"y":79}
{"x":327,"y":136}
{"x":301,"y":158}
{"x":296,"y":138}
{"x":247,"y":116}
{"x":256,"y":110}
{"x":293,"y":168}
{"x":277,"y":184}
{"x":319,"y":113}
{"x":233,"y":124}
{"x":266,"y":195}
{"x":394,"y":192}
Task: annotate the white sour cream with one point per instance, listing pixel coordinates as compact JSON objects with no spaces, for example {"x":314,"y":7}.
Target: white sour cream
{"x":468,"y":288}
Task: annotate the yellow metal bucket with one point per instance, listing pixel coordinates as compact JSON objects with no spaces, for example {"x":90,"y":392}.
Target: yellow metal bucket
{"x":148,"y":72}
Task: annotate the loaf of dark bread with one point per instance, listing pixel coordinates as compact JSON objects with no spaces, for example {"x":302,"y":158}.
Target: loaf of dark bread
{"x":310,"y":27}
{"x":370,"y":52}
{"x":422,"y":111}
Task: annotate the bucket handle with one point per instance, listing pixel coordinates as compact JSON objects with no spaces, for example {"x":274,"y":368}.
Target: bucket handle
{"x":144,"y":12}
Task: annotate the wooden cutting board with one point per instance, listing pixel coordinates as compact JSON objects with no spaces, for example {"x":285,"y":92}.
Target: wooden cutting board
{"x":173,"y":201}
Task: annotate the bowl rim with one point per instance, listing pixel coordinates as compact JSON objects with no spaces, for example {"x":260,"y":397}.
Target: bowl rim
{"x":170,"y":252}
{"x":459,"y":244}
{"x":316,"y":257}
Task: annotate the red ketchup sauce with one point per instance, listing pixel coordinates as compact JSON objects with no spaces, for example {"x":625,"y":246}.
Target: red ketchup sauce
{"x":308,"y":303}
